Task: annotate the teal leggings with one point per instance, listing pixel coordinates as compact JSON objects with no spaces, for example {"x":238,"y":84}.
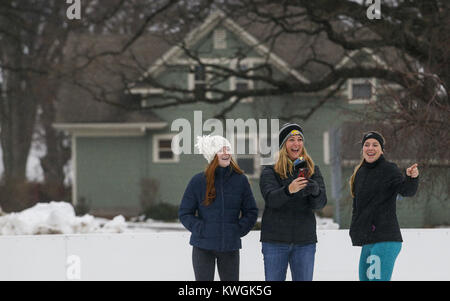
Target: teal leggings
{"x":377,"y":260}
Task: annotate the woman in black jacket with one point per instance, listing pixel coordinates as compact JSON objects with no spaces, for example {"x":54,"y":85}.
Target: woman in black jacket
{"x":374,"y":186}
{"x":218,"y":208}
{"x":291,"y":189}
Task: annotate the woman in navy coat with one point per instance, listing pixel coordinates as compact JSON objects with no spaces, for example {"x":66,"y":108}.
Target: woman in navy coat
{"x":218,"y":208}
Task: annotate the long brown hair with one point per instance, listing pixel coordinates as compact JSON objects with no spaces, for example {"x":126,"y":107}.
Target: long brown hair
{"x":284,"y":165}
{"x":210,"y":195}
{"x":352,"y":178}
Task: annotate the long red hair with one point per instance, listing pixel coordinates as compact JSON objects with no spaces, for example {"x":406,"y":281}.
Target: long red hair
{"x":210,"y":195}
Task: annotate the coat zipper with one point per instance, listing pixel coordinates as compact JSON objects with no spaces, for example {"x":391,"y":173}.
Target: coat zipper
{"x":223,"y":213}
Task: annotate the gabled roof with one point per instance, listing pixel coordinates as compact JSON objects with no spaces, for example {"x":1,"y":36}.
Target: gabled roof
{"x":351,"y":58}
{"x":204,"y":29}
{"x":287,"y":54}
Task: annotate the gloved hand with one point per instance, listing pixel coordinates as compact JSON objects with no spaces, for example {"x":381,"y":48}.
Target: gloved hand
{"x":312,"y":188}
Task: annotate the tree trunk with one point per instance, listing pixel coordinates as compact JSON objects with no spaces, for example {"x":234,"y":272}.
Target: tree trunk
{"x":57,"y":154}
{"x":18,"y":115}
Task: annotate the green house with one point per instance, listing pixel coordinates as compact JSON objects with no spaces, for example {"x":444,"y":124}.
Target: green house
{"x":122,"y":157}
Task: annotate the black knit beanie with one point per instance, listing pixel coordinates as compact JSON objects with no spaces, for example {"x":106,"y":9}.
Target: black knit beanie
{"x":288,"y":130}
{"x":373,"y":135}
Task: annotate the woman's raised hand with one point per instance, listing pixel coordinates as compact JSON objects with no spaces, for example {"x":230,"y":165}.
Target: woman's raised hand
{"x":412,"y":171}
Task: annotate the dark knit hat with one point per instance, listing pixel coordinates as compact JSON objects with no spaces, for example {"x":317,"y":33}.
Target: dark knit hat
{"x":288,"y":130}
{"x":373,"y":135}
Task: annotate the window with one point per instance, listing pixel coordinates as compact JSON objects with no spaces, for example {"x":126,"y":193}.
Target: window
{"x":162,"y":149}
{"x":361,"y":90}
{"x":246,"y":155}
{"x":199,"y":82}
{"x":247,"y":164}
{"x":242,"y":84}
{"x":220,"y":36}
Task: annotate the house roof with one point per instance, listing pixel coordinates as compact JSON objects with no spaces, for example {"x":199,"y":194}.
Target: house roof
{"x":219,"y":18}
{"x":81,"y":99}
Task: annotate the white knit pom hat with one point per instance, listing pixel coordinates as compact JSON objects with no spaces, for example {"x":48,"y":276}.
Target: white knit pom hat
{"x":209,"y":146}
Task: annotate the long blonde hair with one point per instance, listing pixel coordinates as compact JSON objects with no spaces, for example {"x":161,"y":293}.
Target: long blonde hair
{"x":352,"y":178}
{"x":284,"y":165}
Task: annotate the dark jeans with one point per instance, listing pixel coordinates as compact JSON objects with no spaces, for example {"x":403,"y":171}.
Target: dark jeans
{"x":300,"y":258}
{"x":204,"y":262}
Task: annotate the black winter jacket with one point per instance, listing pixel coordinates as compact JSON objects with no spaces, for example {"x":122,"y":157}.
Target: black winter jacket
{"x":289,"y":218}
{"x":376,"y":186}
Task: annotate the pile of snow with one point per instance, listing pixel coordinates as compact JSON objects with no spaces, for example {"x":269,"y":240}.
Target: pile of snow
{"x":60,"y":218}
{"x":56,"y":218}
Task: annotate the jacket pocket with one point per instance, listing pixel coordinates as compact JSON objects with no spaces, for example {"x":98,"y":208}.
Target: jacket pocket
{"x":233,"y":230}
{"x":211,"y":230}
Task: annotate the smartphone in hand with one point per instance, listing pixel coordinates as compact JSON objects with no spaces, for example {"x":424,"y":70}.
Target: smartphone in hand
{"x":303,"y":172}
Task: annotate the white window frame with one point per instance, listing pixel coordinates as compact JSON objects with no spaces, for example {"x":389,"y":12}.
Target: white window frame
{"x":234,"y":80}
{"x":220,"y":38}
{"x":192,"y":81}
{"x":156,"y":149}
{"x":250,"y":62}
{"x":371,"y":81}
{"x":146,"y":94}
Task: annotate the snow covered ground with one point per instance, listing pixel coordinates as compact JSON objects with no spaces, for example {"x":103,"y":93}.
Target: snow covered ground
{"x":167,"y":256}
{"x":97,"y":249}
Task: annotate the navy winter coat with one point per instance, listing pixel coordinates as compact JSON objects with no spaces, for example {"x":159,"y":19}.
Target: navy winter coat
{"x":232,"y":214}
